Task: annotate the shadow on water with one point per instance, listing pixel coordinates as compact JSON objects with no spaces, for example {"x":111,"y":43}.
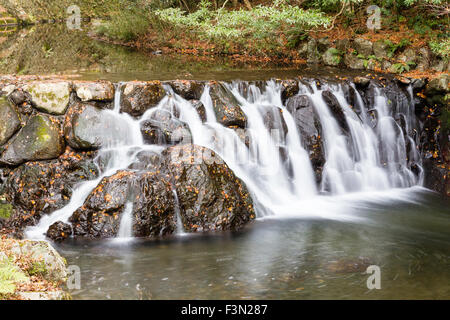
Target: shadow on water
{"x":290,"y":258}
{"x":54,"y":50}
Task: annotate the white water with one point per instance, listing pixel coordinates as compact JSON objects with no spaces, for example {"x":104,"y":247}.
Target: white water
{"x":126,"y":222}
{"x":370,"y":162}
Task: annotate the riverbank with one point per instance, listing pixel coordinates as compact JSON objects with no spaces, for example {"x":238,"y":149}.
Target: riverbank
{"x":31,"y":270}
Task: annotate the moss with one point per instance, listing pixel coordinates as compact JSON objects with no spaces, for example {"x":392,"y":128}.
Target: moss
{"x":42,"y":132}
{"x":5,"y":210}
{"x":37,"y":268}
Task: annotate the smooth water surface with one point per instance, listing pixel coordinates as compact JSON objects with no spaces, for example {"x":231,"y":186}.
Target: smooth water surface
{"x":282,"y":258}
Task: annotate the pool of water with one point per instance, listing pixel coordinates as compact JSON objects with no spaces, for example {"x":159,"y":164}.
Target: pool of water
{"x":284,"y":257}
{"x":52,"y":49}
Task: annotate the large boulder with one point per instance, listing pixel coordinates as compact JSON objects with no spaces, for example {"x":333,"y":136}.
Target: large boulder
{"x":83,"y":127}
{"x":188,"y":179}
{"x":226,"y":107}
{"x":50,"y":97}
{"x":210,"y":196}
{"x":137,"y":97}
{"x":39,"y":139}
{"x":94,"y":91}
{"x":10,"y":122}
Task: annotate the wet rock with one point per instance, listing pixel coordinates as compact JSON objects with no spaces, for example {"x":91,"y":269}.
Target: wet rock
{"x":226,"y":107}
{"x":201,"y":110}
{"x":83,"y":127}
{"x":39,"y":139}
{"x":188,"y":89}
{"x":308,"y":124}
{"x":50,"y":97}
{"x":363,"y":46}
{"x":361,"y":82}
{"x":210,"y":196}
{"x":380,"y":49}
{"x":150,"y":194}
{"x":289,"y":88}
{"x":94,"y":91}
{"x":163,"y":128}
{"x":37,"y":188}
{"x":353,"y":62}
{"x":146,"y":161}
{"x":19,"y":97}
{"x":154,"y":206}
{"x":59,"y":231}
{"x":10,"y":122}
{"x":138,"y":97}
{"x":99,"y":217}
{"x":274,"y":121}
{"x":336,"y":109}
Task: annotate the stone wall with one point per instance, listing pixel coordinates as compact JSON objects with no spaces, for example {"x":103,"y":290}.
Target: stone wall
{"x":380,"y":55}
{"x":50,"y":132}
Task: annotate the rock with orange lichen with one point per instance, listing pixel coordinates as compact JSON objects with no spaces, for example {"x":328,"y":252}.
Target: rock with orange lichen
{"x":38,"y":188}
{"x":137,"y":97}
{"x":188,"y":179}
{"x":152,"y":200}
{"x":210,"y":195}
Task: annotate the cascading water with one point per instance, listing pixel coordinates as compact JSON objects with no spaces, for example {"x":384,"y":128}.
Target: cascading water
{"x":274,"y":164}
{"x":126,"y":222}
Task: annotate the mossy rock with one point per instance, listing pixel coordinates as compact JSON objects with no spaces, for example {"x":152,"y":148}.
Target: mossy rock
{"x":50,"y":97}
{"x":10,"y":121}
{"x":39,"y":139}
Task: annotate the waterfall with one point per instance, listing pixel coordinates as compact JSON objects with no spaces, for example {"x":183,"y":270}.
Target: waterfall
{"x":274,"y":164}
{"x":126,"y":222}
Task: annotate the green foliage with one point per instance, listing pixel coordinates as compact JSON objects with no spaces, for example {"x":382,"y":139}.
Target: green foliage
{"x":395,"y":47}
{"x":37,"y":268}
{"x":126,"y":24}
{"x":261,"y":24}
{"x":5,"y":210}
{"x":441,"y":48}
{"x":402,"y":67}
{"x":9,"y":275}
